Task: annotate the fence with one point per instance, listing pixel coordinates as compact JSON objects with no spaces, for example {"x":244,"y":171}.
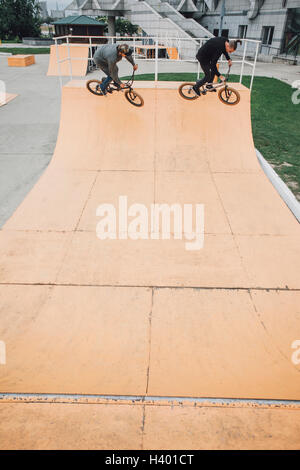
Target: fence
{"x":158,"y":49}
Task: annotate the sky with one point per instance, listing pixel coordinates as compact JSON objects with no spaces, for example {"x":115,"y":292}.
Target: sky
{"x":51,"y":4}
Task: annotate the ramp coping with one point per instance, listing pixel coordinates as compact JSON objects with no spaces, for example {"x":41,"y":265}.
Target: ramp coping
{"x":282,"y":189}
{"x":147,"y":400}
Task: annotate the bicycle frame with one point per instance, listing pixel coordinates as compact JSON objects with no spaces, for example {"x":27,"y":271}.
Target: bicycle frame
{"x":223,"y":82}
{"x":128,"y":84}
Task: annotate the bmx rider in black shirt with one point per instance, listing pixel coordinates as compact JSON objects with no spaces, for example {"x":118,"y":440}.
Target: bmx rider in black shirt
{"x":208,"y":56}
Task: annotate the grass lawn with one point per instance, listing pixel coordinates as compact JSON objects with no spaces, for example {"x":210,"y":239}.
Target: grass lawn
{"x":11,"y":41}
{"x":26,"y":50}
{"x":275,"y":123}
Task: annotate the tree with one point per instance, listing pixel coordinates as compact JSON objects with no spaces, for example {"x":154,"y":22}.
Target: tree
{"x":123,"y":26}
{"x":19,"y":18}
{"x":104,"y":19}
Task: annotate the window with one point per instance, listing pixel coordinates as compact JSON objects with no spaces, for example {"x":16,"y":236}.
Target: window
{"x":243,"y":28}
{"x":267,"y":34}
{"x":225,"y":33}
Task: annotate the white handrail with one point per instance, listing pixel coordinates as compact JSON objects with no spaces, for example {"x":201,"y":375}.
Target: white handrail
{"x":156,"y":42}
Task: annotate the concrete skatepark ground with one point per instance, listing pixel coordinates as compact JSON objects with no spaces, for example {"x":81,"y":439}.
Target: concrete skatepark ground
{"x":126,"y":344}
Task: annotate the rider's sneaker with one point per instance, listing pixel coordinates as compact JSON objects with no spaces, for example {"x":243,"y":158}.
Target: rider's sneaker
{"x":209,"y":87}
{"x":196,"y":90}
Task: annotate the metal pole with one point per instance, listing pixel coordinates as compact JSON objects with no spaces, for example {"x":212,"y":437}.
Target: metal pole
{"x":243,"y":62}
{"x":69,"y":57}
{"x":111,"y":21}
{"x":90,"y":62}
{"x":156,"y":60}
{"x":254,"y":65}
{"x":222,"y":14}
{"x":58,"y":63}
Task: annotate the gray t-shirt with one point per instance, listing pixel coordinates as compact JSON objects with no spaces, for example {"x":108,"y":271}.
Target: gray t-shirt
{"x":107,"y":57}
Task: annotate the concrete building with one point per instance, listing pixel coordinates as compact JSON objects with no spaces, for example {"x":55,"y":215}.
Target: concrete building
{"x":276,"y":23}
{"x":57,"y":14}
{"x":43,"y":10}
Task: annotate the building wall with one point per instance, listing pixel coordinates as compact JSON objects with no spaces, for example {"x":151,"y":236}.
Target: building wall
{"x":272,"y":13}
{"x":43,"y":11}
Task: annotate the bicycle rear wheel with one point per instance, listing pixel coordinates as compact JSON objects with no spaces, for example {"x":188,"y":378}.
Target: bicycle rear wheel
{"x":134,"y":98}
{"x":94,"y":87}
{"x":186,"y":91}
{"x":229,"y":96}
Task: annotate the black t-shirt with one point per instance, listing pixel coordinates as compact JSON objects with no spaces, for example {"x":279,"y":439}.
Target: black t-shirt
{"x":212,"y":50}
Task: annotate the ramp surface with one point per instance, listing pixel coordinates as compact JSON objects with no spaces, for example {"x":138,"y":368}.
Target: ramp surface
{"x":6,"y":98}
{"x":146,"y":318}
{"x":74,"y":60}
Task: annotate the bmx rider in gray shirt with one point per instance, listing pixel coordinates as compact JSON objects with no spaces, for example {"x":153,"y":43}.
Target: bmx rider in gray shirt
{"x":106,"y":57}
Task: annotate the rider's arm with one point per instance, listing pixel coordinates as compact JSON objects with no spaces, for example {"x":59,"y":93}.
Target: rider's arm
{"x":227,"y":55}
{"x":130,"y":59}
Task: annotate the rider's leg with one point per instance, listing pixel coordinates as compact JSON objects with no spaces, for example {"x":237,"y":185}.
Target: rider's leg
{"x":210,"y":84}
{"x":115,"y":71}
{"x":207,"y":74}
{"x":105,"y":84}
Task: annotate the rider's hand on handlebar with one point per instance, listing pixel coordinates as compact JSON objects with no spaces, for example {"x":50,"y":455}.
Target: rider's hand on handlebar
{"x":230,"y":63}
{"x":122,"y":85}
{"x":135,"y":67}
{"x":222,"y":78}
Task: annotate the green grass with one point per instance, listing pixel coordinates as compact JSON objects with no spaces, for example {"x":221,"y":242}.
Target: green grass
{"x":275,"y":122}
{"x":11,"y":41}
{"x":26,"y":50}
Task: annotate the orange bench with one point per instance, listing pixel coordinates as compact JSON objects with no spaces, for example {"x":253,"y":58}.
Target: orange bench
{"x":20,"y":60}
{"x":173,"y":53}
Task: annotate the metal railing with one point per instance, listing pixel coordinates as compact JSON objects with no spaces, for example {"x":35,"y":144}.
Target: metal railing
{"x":267,"y":49}
{"x":186,"y":51}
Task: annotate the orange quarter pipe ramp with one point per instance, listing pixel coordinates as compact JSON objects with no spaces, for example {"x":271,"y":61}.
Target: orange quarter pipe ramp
{"x":169,"y":348}
{"x":74,"y":60}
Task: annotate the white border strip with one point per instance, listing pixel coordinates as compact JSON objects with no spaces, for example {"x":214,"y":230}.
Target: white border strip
{"x":282,"y":189}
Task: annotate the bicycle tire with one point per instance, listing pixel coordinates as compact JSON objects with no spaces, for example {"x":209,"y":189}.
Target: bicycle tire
{"x":225,"y":99}
{"x":131,"y":95}
{"x":94,"y":91}
{"x":183,"y":95}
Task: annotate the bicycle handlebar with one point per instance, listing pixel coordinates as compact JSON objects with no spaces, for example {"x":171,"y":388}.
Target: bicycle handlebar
{"x":130,"y":81}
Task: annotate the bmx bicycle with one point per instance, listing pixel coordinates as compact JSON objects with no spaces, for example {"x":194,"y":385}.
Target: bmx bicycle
{"x":130,"y":94}
{"x":226,"y":94}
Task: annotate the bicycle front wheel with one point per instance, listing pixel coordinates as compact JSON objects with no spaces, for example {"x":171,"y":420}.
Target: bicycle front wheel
{"x":229,"y":96}
{"x":186,"y":91}
{"x":134,"y":98}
